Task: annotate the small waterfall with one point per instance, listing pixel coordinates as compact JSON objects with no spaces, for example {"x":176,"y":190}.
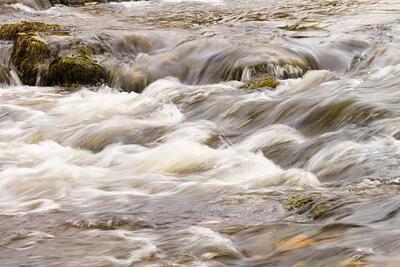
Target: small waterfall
{"x":8,"y":74}
{"x":210,"y":61}
{"x":28,"y":4}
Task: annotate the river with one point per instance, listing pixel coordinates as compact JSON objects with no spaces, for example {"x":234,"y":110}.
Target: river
{"x":173,"y":163}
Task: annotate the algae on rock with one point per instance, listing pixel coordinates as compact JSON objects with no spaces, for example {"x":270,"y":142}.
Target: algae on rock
{"x":4,"y":75}
{"x":39,"y":61}
{"x":11,"y":31}
{"x":28,"y":56}
{"x":317,"y":206}
{"x":29,"y":51}
{"x":79,"y":2}
{"x":72,"y":71}
{"x":36,"y":4}
{"x":261,"y":81}
{"x":68,"y":2}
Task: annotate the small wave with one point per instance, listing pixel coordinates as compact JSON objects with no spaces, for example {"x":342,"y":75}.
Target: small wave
{"x":23,"y":7}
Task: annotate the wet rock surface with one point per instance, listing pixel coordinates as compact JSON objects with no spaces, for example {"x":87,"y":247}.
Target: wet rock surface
{"x":29,"y":56}
{"x":133,"y":61}
{"x":41,"y":62}
{"x":261,"y":81}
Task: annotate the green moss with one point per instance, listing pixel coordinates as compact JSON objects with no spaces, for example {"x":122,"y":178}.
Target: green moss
{"x":4,"y":75}
{"x":29,"y":52}
{"x":262,"y":81}
{"x":11,"y":31}
{"x":68,"y":2}
{"x":321,"y":211}
{"x":28,"y":55}
{"x":39,"y":63}
{"x":299,"y":201}
{"x":316,"y":206}
{"x":75,"y":2}
{"x":74,"y":71}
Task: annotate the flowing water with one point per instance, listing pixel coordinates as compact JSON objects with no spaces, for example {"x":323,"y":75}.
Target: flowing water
{"x":181,"y":167}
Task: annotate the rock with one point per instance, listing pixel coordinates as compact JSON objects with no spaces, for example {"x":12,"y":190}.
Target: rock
{"x":35,"y":4}
{"x":300,"y":241}
{"x":318,"y":206}
{"x":28,"y":56}
{"x":300,"y":201}
{"x":45,"y":4}
{"x":72,"y":71}
{"x":40,"y":61}
{"x":68,"y":2}
{"x":11,"y":31}
{"x":110,"y":222}
{"x":79,"y":2}
{"x":4,"y":75}
{"x":261,"y":81}
{"x":130,"y":81}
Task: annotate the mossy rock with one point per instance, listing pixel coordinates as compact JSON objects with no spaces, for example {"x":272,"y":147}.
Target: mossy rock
{"x":317,"y":206}
{"x":68,"y":2}
{"x":36,"y":4}
{"x":130,"y":81}
{"x":11,"y":31}
{"x":28,"y":55}
{"x":4,"y":75}
{"x":77,"y":2}
{"x":74,"y":71}
{"x":299,"y":201}
{"x":40,"y":63}
{"x":261,"y":81}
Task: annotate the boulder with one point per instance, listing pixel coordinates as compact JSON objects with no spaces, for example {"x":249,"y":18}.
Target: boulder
{"x":29,"y":57}
{"x":40,"y":61}
{"x":73,"y":71}
{"x":11,"y":31}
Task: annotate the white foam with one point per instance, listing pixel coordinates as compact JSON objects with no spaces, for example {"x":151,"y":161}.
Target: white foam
{"x":45,"y":162}
{"x":270,"y":136}
{"x":206,"y":243}
{"x":23,"y":7}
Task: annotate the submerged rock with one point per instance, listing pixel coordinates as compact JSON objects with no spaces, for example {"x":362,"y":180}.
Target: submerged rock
{"x":261,"y":81}
{"x":83,"y":2}
{"x":109,"y":222}
{"x":68,"y":2}
{"x":318,"y":206}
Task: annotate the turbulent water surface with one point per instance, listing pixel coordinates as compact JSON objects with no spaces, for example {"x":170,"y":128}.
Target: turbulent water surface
{"x":181,"y":167}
